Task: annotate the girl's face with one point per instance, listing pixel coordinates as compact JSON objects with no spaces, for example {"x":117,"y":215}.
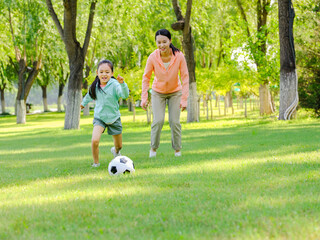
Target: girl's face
{"x":163,"y":43}
{"x":104,"y":73}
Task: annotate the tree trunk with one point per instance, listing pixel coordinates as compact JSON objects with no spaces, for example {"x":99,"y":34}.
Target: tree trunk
{"x":225,"y":105}
{"x":204,"y":104}
{"x":241,"y":103}
{"x":245,"y":107}
{"x":183,"y":24}
{"x":133,"y":108}
{"x":148,"y":112}
{"x":72,"y":117}
{"x":60,"y":93}
{"x":130,"y":108}
{"x":207,"y":105}
{"x":21,"y":112}
{"x":237,"y":102}
{"x":192,"y":100}
{"x":265,"y":100}
{"x":24,"y":86}
{"x":218,"y":101}
{"x":198,"y":102}
{"x":288,"y":75}
{"x":44,"y":98}
{"x":229,"y":99}
{"x":193,"y":115}
{"x":3,"y":103}
{"x":211,"y":107}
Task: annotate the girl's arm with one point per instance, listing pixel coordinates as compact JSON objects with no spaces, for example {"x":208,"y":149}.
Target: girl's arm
{"x":122,"y":90}
{"x":146,"y":82}
{"x":86,"y":100}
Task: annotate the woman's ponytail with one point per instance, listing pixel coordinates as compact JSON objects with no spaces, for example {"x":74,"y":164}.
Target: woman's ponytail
{"x":174,"y":49}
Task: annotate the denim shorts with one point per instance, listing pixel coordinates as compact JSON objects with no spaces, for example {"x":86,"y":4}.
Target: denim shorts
{"x":114,"y":128}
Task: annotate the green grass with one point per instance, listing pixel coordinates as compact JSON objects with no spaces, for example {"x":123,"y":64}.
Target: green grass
{"x":254,"y":178}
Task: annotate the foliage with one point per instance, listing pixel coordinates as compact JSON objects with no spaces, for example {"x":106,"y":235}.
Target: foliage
{"x":123,"y":32}
{"x":7,"y":75}
{"x":308,"y":53}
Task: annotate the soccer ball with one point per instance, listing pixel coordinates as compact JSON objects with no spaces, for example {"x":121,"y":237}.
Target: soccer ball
{"x":121,"y":165}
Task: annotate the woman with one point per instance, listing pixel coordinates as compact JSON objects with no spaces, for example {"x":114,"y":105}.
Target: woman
{"x":166,"y":62}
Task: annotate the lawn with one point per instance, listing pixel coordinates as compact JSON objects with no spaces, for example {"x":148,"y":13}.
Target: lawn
{"x":254,"y":178}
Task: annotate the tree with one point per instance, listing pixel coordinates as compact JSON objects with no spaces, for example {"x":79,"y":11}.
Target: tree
{"x":307,"y":39}
{"x":43,"y":80}
{"x":27,"y":36}
{"x":6,"y":75}
{"x":76,"y":55}
{"x":183,"y":24}
{"x":288,"y":73}
{"x":258,"y":47}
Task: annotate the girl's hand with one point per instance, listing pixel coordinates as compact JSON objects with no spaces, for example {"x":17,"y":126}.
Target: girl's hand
{"x":82,"y":107}
{"x":120,"y":79}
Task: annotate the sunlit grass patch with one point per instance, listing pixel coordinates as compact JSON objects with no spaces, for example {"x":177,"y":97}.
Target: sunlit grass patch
{"x":255,"y":178}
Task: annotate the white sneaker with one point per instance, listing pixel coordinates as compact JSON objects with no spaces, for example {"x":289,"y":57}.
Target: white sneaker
{"x":95,"y":165}
{"x":113,"y":151}
{"x":152,"y":153}
{"x":177,"y":154}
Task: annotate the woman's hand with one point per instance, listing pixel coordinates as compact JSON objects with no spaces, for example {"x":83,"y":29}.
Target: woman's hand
{"x":120,"y":79}
{"x":182,"y":108}
{"x":144,"y":105}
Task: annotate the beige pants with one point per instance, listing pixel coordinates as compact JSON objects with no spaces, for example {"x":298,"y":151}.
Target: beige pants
{"x":158,"y":101}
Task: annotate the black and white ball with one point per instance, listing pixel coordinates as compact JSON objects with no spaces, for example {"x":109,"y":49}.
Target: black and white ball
{"x":121,"y":165}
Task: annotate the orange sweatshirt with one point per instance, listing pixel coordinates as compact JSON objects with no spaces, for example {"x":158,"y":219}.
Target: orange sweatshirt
{"x":166,"y":80}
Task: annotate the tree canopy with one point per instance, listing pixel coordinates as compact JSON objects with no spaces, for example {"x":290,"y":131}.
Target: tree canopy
{"x":233,"y":41}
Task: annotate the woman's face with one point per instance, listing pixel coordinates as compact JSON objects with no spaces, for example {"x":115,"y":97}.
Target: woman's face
{"x":163,"y":43}
{"x":104,"y":73}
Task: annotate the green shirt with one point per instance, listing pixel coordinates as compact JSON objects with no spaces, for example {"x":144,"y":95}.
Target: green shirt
{"x":107,"y":102}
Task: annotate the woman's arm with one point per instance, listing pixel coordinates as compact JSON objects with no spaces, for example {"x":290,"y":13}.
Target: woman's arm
{"x":146,"y":82}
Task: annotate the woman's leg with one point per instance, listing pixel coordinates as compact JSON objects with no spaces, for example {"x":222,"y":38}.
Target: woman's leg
{"x":117,"y":141}
{"x":96,"y":135}
{"x":174,"y":120}
{"x":158,"y":109}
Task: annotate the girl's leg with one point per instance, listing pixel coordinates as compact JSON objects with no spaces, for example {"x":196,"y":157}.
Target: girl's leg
{"x":117,"y":140}
{"x":96,"y":135}
{"x":174,"y":120}
{"x":158,"y":109}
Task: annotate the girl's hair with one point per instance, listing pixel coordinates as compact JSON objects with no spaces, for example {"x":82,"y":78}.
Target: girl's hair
{"x":165,"y":32}
{"x":92,"y":89}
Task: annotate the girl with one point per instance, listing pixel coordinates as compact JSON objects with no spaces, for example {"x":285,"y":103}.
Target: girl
{"x":106,"y":91}
{"x":166,"y":62}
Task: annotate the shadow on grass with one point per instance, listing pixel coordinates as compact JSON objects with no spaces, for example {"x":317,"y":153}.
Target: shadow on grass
{"x":270,"y":199}
{"x":51,"y":153}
